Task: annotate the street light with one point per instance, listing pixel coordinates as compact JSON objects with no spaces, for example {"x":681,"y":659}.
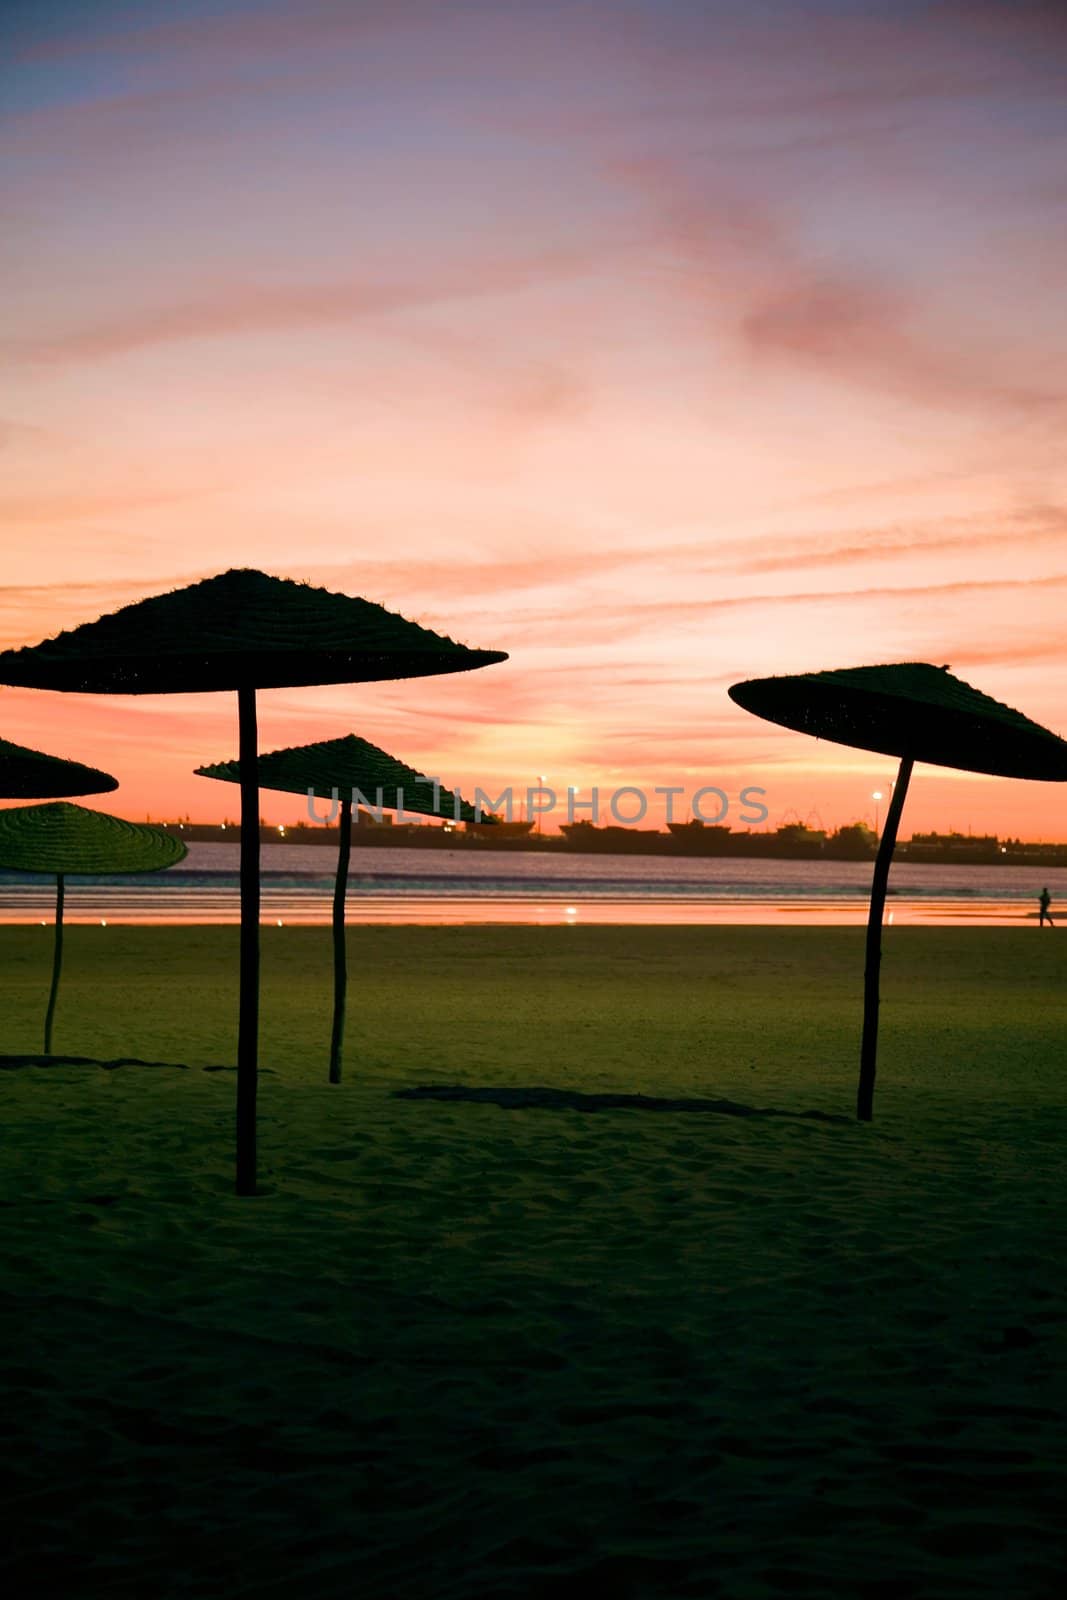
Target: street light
{"x":877,"y":798}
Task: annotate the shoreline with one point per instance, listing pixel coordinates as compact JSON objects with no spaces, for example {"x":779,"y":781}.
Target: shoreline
{"x":124,"y":907}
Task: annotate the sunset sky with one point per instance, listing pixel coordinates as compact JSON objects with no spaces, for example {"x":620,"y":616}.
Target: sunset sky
{"x":658,"y":344}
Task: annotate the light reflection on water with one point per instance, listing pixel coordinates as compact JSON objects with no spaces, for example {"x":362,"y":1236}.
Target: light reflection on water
{"x":465,"y":886}
{"x":288,"y":908}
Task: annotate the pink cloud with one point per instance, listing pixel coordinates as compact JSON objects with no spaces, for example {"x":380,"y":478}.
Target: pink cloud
{"x":744,"y":268}
{"x":254,"y":308}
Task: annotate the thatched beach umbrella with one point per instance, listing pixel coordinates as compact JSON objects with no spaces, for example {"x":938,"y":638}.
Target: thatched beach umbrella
{"x":341,"y":770}
{"x":59,"y":838}
{"x":914,"y":712}
{"x":31,"y":775}
{"x":241,"y":630}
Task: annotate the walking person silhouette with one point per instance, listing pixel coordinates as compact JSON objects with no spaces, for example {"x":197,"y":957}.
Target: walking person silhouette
{"x":1044,"y":900}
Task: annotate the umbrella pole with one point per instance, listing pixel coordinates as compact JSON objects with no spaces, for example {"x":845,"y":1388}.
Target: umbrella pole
{"x":57,"y":963}
{"x":872,"y":970}
{"x":340,"y":969}
{"x":248,"y":1023}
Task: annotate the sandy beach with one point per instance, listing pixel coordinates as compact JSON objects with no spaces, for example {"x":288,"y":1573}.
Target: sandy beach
{"x":485,"y":1347}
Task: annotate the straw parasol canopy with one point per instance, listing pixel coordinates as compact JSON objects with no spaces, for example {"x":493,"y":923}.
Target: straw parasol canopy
{"x":333,"y":767}
{"x":909,"y":709}
{"x":31,"y":775}
{"x":915,"y":712}
{"x":242,"y":630}
{"x":61,"y":838}
{"x":344,"y":770}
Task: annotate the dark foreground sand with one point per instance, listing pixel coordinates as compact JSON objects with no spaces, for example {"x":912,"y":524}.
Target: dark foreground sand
{"x":458,"y":1350}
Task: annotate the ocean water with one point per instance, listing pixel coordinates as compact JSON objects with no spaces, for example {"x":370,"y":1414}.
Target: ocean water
{"x":464,"y":885}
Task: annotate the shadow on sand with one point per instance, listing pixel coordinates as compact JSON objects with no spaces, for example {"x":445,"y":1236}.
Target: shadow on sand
{"x":544,"y":1099}
{"x":12,"y":1063}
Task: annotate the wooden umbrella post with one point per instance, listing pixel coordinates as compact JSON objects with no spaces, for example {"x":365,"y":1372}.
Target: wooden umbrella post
{"x":340,"y":966}
{"x":57,"y":964}
{"x":248,"y":1021}
{"x":872,"y":969}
